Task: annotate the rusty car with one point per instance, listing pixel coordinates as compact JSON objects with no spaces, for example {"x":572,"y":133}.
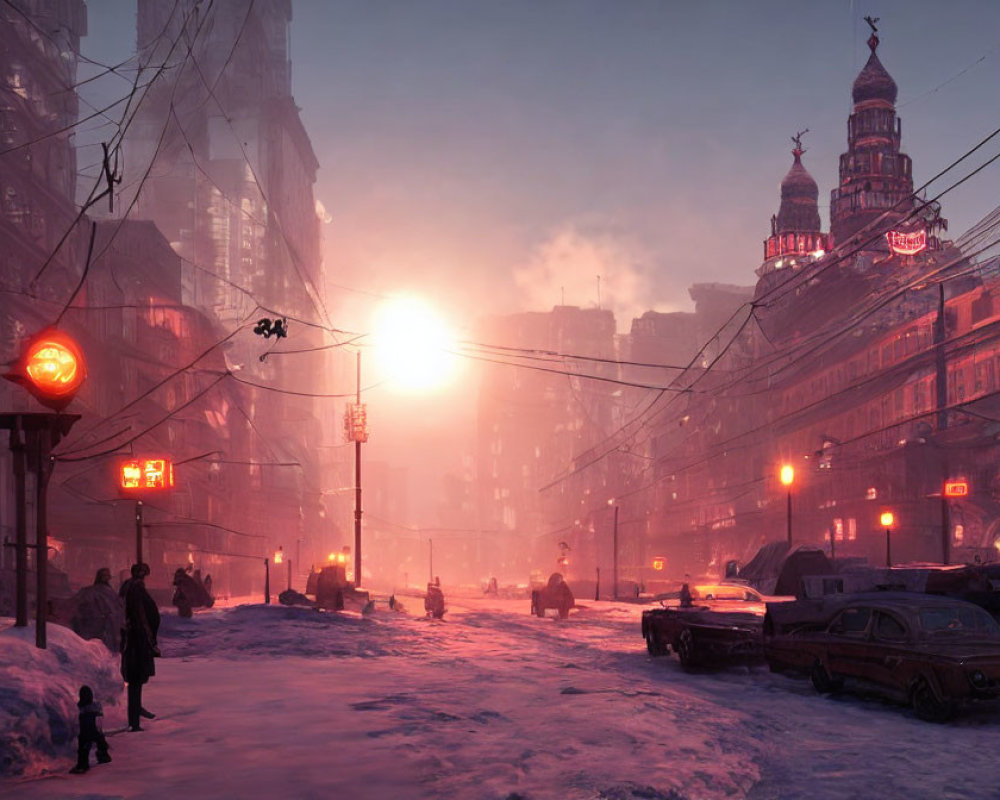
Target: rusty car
{"x":935,"y":654}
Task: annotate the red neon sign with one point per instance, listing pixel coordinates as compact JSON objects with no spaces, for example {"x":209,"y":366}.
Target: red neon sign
{"x":956,"y":488}
{"x":147,"y":473}
{"x":907,"y":244}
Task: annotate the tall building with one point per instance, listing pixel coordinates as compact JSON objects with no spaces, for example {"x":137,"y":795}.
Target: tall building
{"x":42,"y":243}
{"x":219,"y":159}
{"x":41,"y":256}
{"x":533,"y":426}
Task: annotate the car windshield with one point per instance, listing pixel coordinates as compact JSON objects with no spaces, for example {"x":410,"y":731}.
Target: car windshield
{"x":957,"y":619}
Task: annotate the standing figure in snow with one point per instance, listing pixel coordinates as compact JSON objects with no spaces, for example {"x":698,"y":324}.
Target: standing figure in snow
{"x":434,"y":600}
{"x":686,"y":599}
{"x":90,"y":731}
{"x":99,"y":612}
{"x":142,"y":623}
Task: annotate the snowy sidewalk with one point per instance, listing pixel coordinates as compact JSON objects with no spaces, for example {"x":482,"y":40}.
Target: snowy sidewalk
{"x":493,"y":703}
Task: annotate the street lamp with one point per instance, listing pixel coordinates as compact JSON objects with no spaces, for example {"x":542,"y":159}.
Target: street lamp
{"x":787,"y":478}
{"x":887,"y":524}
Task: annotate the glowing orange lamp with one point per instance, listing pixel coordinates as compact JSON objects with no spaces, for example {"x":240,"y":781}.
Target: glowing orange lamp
{"x":51,"y":368}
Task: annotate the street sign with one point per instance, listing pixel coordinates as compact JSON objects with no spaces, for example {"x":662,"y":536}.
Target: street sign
{"x":147,"y":473}
{"x":959,"y":488}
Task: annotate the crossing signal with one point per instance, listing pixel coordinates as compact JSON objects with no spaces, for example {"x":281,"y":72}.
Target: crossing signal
{"x":51,"y":367}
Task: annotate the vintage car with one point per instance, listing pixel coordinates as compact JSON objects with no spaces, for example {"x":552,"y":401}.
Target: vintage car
{"x":934,"y":653}
{"x":702,"y":635}
{"x":720,"y":624}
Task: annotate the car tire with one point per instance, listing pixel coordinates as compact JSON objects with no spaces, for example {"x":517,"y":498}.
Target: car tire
{"x":822,"y":681}
{"x":654,"y":644}
{"x":685,"y":648}
{"x":928,"y":707}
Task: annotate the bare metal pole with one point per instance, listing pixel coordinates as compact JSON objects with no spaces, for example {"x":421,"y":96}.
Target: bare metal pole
{"x":614,"y":559}
{"x":357,"y":487}
{"x":41,"y":534}
{"x":789,"y":515}
{"x":138,"y":531}
{"x":21,"y":541}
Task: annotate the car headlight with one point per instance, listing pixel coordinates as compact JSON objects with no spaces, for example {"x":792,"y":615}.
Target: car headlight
{"x":978,"y":679}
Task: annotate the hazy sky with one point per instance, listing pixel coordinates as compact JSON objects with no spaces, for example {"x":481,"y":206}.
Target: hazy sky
{"x":498,"y":156}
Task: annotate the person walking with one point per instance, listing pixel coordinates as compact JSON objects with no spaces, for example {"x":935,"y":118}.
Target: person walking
{"x":140,"y":648}
{"x":90,"y":732}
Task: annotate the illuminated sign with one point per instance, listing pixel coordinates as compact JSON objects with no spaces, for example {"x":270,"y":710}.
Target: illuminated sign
{"x":147,"y":473}
{"x":956,"y":488}
{"x":659,"y":562}
{"x":907,"y":244}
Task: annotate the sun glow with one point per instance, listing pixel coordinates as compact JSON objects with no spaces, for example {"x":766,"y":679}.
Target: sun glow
{"x":413,"y":346}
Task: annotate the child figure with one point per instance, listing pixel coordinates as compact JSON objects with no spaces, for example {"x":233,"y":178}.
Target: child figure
{"x":90,"y":733}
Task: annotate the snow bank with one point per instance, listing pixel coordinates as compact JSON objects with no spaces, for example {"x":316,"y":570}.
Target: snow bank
{"x":39,"y":690}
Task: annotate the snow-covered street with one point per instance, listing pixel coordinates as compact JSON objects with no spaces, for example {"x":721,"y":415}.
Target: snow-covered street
{"x":492,"y":703}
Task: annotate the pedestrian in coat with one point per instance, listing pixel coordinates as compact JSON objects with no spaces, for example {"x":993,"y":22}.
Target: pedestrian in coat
{"x":99,"y":612}
{"x":142,"y":623}
{"x":90,"y":732}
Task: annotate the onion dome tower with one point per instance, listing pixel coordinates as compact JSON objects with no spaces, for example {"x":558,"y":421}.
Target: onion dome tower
{"x":875,"y":177}
{"x":795,"y":231}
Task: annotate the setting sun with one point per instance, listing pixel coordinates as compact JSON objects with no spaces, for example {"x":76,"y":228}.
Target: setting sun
{"x":412,"y":345}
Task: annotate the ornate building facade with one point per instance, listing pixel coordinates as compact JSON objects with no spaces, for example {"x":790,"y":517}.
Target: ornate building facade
{"x":869,"y":367}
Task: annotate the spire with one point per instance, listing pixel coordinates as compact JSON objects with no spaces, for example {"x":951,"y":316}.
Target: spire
{"x":873,"y":82}
{"x":795,"y":231}
{"x":799,"y":210}
{"x":876,"y":182}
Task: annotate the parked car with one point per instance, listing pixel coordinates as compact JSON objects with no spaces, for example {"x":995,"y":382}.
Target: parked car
{"x":702,"y":636}
{"x":729,"y":592}
{"x":722,"y":624}
{"x":934,"y":653}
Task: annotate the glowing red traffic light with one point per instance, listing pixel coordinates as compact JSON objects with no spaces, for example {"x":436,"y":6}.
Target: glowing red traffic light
{"x":51,"y":368}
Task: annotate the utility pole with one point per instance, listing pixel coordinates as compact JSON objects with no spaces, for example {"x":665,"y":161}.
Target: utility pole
{"x":941,"y":392}
{"x":32,"y":438}
{"x":357,"y":486}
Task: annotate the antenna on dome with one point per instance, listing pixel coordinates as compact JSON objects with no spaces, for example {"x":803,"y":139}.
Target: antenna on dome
{"x":873,"y":40}
{"x":797,"y":140}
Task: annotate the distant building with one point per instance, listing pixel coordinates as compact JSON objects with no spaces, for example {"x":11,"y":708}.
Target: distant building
{"x":220,"y":160}
{"x":536,"y":424}
{"x":870,"y":368}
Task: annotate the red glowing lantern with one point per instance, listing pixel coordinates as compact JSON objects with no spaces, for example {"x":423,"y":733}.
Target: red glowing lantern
{"x":51,"y":368}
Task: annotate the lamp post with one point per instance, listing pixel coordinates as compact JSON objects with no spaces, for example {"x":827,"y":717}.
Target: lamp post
{"x":887,"y":524}
{"x":356,"y":430}
{"x":787,"y":477}
{"x":614,"y":552}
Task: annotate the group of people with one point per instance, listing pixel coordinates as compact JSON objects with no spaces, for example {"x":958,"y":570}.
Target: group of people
{"x":137,"y":634}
